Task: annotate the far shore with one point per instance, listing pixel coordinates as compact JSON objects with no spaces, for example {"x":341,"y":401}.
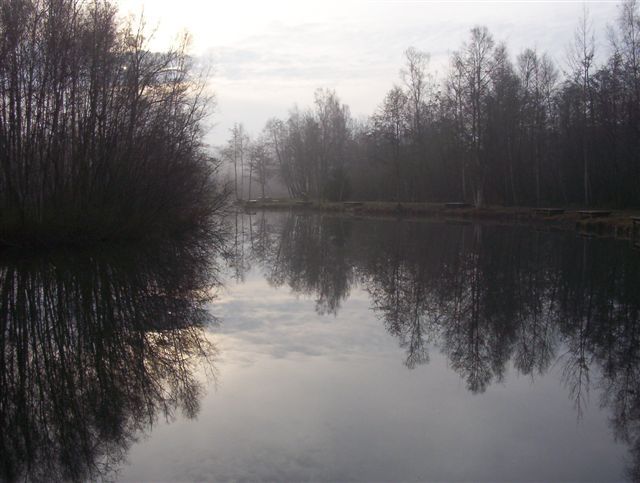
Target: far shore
{"x":601,"y":222}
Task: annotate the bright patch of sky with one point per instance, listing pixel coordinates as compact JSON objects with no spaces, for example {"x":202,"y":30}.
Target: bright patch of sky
{"x":269,"y":55}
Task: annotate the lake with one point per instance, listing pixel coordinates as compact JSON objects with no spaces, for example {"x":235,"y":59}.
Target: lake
{"x":321,"y":347}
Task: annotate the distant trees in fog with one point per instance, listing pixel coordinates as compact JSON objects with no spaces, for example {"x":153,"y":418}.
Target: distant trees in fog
{"x":311,"y":150}
{"x":493,"y":130}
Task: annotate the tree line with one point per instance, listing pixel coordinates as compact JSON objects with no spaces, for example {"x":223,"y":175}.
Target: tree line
{"x":495,"y":130}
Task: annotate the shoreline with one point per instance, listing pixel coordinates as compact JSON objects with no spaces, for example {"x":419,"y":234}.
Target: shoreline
{"x":617,"y":224}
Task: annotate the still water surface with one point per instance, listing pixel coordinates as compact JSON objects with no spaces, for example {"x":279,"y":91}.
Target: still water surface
{"x":336,"y":349}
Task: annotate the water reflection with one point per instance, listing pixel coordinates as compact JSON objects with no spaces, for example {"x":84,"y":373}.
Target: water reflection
{"x":486,"y":296}
{"x":94,"y":348}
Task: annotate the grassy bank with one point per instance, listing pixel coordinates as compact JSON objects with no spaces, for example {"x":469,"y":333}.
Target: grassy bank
{"x":618,"y":224}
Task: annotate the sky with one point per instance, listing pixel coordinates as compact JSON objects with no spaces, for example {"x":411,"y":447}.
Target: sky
{"x":267,"y":56}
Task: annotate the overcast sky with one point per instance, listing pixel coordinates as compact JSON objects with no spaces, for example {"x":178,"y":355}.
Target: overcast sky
{"x":269,"y":55}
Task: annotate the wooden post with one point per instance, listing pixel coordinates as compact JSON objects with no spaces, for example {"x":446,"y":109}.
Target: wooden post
{"x":635,"y":220}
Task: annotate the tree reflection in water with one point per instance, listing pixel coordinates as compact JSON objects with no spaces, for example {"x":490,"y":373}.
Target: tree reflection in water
{"x":95,"y":347}
{"x":486,"y":296}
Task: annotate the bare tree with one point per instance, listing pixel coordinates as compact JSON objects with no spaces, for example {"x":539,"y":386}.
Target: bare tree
{"x":262,"y":161}
{"x":235,"y":152}
{"x":475,"y":63}
{"x":275,"y":131}
{"x":581,"y":58}
{"x":627,"y":43}
{"x":538,"y":79}
{"x":333,"y":121}
{"x":390,"y":124}
{"x":419,"y":84}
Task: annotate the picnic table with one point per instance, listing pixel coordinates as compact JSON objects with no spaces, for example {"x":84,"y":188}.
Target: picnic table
{"x":594,"y":213}
{"x":353,"y":204}
{"x":549,"y":211}
{"x":457,"y":204}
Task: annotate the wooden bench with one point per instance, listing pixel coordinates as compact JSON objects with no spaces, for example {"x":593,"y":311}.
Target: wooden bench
{"x":549,"y":211}
{"x":457,"y":205}
{"x":594,"y":213}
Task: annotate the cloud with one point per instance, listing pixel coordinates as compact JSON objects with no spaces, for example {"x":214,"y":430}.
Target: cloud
{"x":264,"y":321}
